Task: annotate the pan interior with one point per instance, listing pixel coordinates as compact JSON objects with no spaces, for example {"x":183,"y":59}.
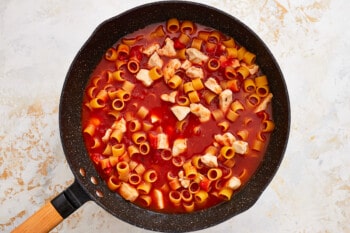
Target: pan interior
{"x":78,"y":75}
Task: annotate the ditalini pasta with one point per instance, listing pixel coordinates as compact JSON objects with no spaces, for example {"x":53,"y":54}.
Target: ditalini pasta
{"x":177,"y":116}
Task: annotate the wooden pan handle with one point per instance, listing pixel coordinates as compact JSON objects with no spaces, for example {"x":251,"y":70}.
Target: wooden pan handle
{"x":52,"y":213}
{"x":44,"y":220}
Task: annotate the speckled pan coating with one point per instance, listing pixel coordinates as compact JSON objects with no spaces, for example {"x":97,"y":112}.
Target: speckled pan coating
{"x":86,"y":60}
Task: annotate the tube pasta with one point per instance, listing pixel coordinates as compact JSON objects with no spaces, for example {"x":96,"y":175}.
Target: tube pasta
{"x":184,"y":39}
{"x":194,"y":97}
{"x":240,"y":53}
{"x":232,"y":115}
{"x":113,"y":183}
{"x":133,"y":66}
{"x":197,"y":43}
{"x":134,"y":179}
{"x":231,"y":52}
{"x":166,"y":154}
{"x":249,"y":85}
{"x":128,"y":192}
{"x":230,"y":72}
{"x":175,"y":197}
{"x":213,"y":64}
{"x":201,"y":197}
{"x":158,"y":198}
{"x":183,"y":101}
{"x":133,"y":150}
{"x":140,"y":169}
{"x":144,"y":148}
{"x":188,"y":87}
{"x":224,"y":125}
{"x":134,"y":125}
{"x":243,"y":134}
{"x":187,"y":27}
{"x":111,"y":54}
{"x":249,"y":58}
{"x":118,"y":104}
{"x":189,"y":207}
{"x":123,"y":171}
{"x":144,"y":187}
{"x":128,"y":86}
{"x":197,"y":84}
{"x":268,"y":126}
{"x":217,"y":114}
{"x":96,"y":103}
{"x":90,"y":129}
{"x":227,"y":152}
{"x":173,"y":25}
{"x":229,"y":43}
{"x":158,"y":32}
{"x":214,"y":174}
{"x":243,"y":71}
{"x":146,"y":200}
{"x":142,"y":112}
{"x":261,"y":81}
{"x":155,"y":73}
{"x":139,"y":137}
{"x":253,"y":100}
{"x":194,"y":187}
{"x":122,"y":51}
{"x":150,"y":176}
{"x":262,"y":91}
{"x":175,"y":81}
{"x":118,"y":76}
{"x":118,"y":149}
{"x":225,"y":193}
{"x":208,"y":96}
{"x":117,"y":135}
{"x":181,"y":54}
{"x":203,"y":35}
{"x":178,"y":161}
{"x":175,"y":184}
{"x":186,"y":195}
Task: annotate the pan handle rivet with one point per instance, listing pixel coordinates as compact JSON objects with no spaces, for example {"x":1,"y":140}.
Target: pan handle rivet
{"x":93,"y":180}
{"x":82,"y":172}
{"x":99,"y":193}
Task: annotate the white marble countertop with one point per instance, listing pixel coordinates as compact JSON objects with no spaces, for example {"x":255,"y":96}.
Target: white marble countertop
{"x":309,"y":38}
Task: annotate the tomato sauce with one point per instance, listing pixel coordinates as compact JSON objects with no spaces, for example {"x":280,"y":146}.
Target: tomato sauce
{"x":199,"y":135}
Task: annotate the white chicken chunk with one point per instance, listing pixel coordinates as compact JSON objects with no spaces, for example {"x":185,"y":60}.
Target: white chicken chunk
{"x":168,"y":49}
{"x":209,"y":160}
{"x":196,"y":56}
{"x":162,"y":141}
{"x":169,"y":97}
{"x":180,"y":111}
{"x":186,"y":64}
{"x":143,"y":76}
{"x":241,"y":147}
{"x":179,"y":146}
{"x":225,"y":139}
{"x":155,"y":60}
{"x":151,"y":49}
{"x":120,"y":125}
{"x":233,"y":183}
{"x":213,"y":85}
{"x":195,"y":72}
{"x":225,"y":99}
{"x":170,"y":68}
{"x":201,"y":112}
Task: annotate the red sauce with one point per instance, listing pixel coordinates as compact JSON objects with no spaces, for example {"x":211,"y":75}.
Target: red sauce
{"x":199,"y":135}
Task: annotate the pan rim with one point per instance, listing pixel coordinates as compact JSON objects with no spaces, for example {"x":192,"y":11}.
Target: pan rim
{"x":66,"y":121}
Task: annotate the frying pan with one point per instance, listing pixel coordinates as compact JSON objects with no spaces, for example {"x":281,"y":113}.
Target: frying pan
{"x":89,"y":186}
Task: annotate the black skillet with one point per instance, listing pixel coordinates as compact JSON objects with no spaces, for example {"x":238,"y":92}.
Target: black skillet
{"x":89,"y":186}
